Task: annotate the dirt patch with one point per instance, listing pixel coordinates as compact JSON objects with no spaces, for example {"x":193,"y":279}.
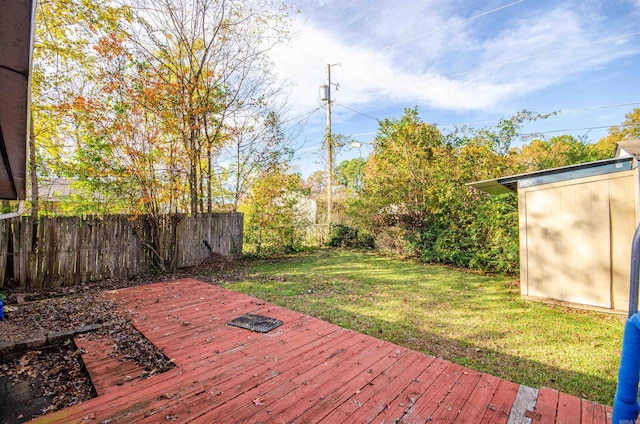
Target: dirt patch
{"x":48,"y":315}
{"x":43,"y":381}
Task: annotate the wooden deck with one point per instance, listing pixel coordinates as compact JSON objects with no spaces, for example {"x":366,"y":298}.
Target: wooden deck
{"x":305,"y":371}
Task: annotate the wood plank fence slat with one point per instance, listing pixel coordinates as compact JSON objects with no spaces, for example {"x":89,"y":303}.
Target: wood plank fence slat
{"x":72,"y":250}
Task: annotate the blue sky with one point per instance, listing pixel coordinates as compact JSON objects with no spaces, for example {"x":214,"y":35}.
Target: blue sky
{"x":459,"y":62}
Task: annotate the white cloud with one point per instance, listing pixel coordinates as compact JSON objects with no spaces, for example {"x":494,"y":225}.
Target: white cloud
{"x":416,"y":73}
{"x":367,"y":76}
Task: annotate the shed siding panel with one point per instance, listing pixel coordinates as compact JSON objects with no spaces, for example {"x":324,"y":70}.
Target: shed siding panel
{"x":592,"y":280}
{"x":524,"y":259}
{"x":623,"y":224}
{"x":538,"y":237}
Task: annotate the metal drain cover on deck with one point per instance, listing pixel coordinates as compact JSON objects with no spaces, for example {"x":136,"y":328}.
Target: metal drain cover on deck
{"x":258,"y":323}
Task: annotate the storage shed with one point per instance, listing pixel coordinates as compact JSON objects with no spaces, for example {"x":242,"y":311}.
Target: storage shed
{"x":576,"y":227}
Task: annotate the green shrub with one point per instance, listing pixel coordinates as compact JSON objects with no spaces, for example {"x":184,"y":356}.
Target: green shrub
{"x":342,"y":235}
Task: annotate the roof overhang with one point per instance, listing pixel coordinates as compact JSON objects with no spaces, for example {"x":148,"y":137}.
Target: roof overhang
{"x":16,"y":40}
{"x":514,"y":182}
{"x":628,"y":148}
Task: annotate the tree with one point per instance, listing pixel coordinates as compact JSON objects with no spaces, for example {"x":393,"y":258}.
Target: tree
{"x":252,"y":148}
{"x":63,"y":59}
{"x":316,"y":183}
{"x":269,"y":208}
{"x":628,"y":130}
{"x":404,"y":161}
{"x":559,"y":151}
{"x":214,"y":55}
{"x":349,"y":174}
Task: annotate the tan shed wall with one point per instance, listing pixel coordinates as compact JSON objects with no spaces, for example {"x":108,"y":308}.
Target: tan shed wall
{"x":575,"y":239}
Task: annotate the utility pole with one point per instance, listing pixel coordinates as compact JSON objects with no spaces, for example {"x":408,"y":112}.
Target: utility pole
{"x":329,"y":150}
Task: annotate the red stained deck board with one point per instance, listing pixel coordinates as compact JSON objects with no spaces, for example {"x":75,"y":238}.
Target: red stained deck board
{"x":547,"y":405}
{"x":364,"y":398}
{"x":227,"y":382}
{"x":381,"y":400}
{"x":274,"y":345}
{"x":304,"y":387}
{"x":451,"y":406}
{"x":398,"y":406}
{"x":427,"y":402}
{"x":196,"y":305}
{"x":479,"y":400}
{"x":501,"y":403}
{"x":189,"y":308}
{"x":181,"y":304}
{"x":171,"y":324}
{"x":273,"y":387}
{"x":569,"y":409}
{"x":601,"y":414}
{"x":334,"y":392}
{"x":307,"y":370}
{"x":239,"y":400}
{"x":177,"y":329}
{"x":112,"y":404}
{"x":222,"y":332}
{"x":213,"y":349}
{"x":587,"y":409}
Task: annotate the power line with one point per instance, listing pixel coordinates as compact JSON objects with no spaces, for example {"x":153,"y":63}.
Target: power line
{"x":304,"y":115}
{"x":452,"y":25}
{"x":549,"y":131}
{"x":359,"y":134}
{"x":559,"y":112}
{"x":598,"y":107}
{"x":576,"y":129}
{"x":522,"y":59}
{"x":355,"y":111}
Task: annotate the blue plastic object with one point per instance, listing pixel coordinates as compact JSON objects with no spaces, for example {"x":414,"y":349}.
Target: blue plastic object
{"x":625,"y":404}
{"x":1,"y":310}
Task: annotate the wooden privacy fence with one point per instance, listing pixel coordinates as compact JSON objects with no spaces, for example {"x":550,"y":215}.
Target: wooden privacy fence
{"x":52,"y":252}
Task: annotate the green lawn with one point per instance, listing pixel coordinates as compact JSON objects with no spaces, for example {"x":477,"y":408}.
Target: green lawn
{"x":471,"y":319}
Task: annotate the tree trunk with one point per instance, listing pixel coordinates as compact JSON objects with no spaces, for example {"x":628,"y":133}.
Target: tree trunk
{"x":209,"y":195}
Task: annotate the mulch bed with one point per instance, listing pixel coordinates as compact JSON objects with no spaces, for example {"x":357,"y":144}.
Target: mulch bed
{"x":50,"y":378}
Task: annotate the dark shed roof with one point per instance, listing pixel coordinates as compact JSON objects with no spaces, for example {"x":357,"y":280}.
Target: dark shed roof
{"x":16,"y":29}
{"x":547,"y":176}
